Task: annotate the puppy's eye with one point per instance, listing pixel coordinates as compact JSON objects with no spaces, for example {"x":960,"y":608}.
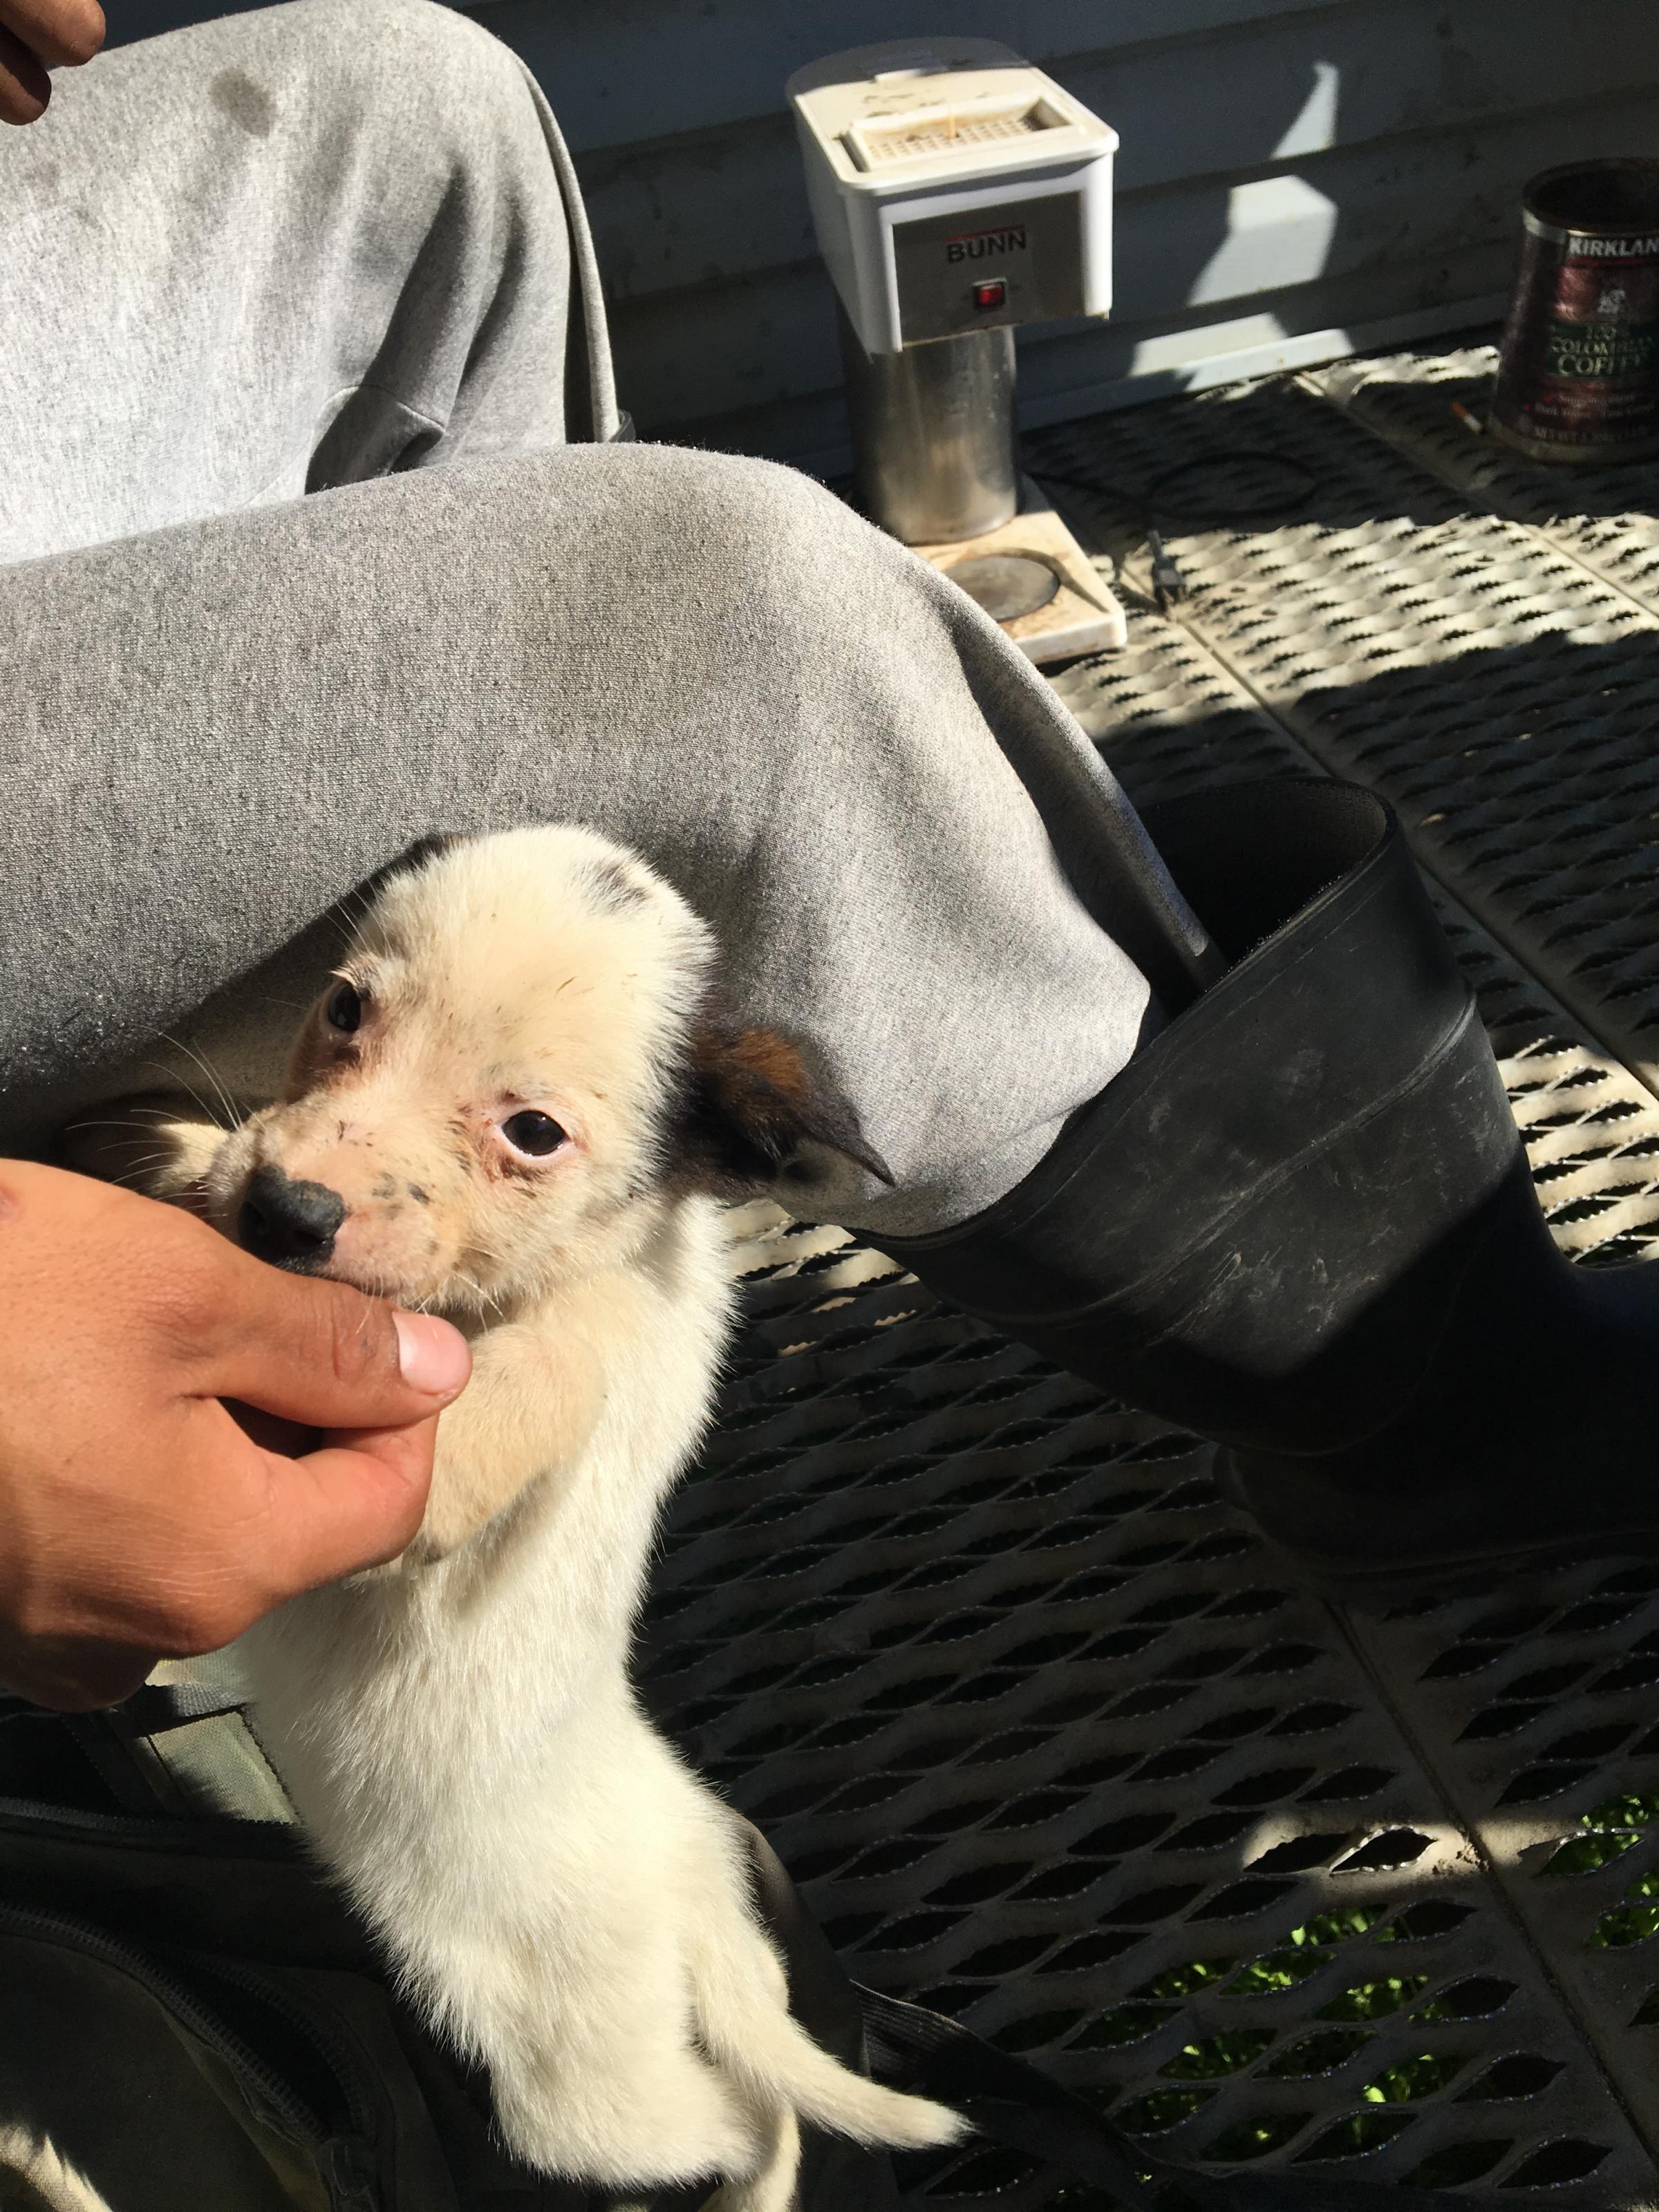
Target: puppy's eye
{"x":345,"y":1008}
{"x":535,"y":1133}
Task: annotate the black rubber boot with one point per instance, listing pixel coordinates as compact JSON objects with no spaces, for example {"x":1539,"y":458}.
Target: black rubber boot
{"x":1301,"y":1223}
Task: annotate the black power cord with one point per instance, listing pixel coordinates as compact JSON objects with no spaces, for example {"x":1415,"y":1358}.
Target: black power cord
{"x":1162,"y":497}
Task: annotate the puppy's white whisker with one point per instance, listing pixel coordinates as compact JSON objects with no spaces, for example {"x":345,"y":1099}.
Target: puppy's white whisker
{"x":140,"y":1168}
{"x":212,"y":1075}
{"x":72,"y":1127}
{"x":207,"y":1112}
{"x":484,"y":1298}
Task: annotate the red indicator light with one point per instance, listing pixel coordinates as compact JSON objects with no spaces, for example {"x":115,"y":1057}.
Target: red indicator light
{"x":990,"y":295}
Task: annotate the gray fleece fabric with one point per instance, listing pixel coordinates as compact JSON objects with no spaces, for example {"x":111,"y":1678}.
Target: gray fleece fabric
{"x":334,"y":249}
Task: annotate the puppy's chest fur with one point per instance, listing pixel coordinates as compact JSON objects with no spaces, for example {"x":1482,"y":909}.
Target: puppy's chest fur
{"x":405,"y":1698}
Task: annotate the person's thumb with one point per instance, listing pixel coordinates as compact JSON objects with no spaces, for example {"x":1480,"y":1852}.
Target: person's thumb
{"x":321,"y":1353}
{"x":354,"y":1502}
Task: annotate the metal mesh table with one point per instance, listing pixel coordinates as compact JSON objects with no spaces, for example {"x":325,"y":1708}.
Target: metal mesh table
{"x":1051,"y":1742}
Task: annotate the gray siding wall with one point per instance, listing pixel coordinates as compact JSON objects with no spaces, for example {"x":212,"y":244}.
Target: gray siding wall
{"x":1294,"y":180}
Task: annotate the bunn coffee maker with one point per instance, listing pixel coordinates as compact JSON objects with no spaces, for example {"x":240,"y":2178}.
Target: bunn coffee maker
{"x":957,"y":193}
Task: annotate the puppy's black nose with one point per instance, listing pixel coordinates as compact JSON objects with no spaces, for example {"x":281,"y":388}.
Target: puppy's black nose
{"x":289,"y":1222}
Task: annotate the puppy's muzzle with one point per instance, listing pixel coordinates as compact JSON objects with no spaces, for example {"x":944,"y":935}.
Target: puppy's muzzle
{"x":289,"y":1222}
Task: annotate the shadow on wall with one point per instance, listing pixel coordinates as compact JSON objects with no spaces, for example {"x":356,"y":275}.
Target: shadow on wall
{"x":1220,"y":248}
{"x":1287,"y":176}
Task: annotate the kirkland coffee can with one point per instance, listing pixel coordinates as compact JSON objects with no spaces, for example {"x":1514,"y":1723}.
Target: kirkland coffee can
{"x":1578,"y":376}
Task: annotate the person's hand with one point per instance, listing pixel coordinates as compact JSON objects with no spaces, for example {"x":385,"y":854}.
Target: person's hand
{"x":138,"y":1517}
{"x":38,"y":35}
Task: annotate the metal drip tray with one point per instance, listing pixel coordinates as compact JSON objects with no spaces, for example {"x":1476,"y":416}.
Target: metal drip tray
{"x":1006,"y":584}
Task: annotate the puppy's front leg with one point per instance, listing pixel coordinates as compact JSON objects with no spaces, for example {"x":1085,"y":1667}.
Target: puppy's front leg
{"x":529,"y":1412}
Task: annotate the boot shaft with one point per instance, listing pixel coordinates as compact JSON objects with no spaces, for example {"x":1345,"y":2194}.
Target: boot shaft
{"x":1261,"y":1229}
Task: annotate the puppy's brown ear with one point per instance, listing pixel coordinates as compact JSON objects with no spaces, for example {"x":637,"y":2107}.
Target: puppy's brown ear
{"x":750,"y":1108}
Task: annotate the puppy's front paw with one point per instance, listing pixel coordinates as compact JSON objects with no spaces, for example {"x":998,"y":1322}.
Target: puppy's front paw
{"x":489,"y":1451}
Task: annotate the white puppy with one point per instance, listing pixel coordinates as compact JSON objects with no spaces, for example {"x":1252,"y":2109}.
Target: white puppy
{"x":515,"y":1107}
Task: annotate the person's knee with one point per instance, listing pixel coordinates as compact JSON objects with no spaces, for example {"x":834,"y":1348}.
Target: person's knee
{"x":838,"y":600}
{"x":779,"y":548}
{"x":402,"y":36}
{"x":425,"y":41}
{"x":430,"y":70}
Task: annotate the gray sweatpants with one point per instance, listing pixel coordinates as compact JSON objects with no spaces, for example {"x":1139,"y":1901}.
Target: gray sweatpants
{"x":292,"y":251}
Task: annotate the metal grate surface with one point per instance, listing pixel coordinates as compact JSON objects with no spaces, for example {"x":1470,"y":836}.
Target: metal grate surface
{"x":1051,"y":1742}
{"x":1499,"y":689}
{"x":1053,"y":1748}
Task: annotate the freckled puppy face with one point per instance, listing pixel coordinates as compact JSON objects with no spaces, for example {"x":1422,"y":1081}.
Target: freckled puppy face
{"x":475,"y":1107}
